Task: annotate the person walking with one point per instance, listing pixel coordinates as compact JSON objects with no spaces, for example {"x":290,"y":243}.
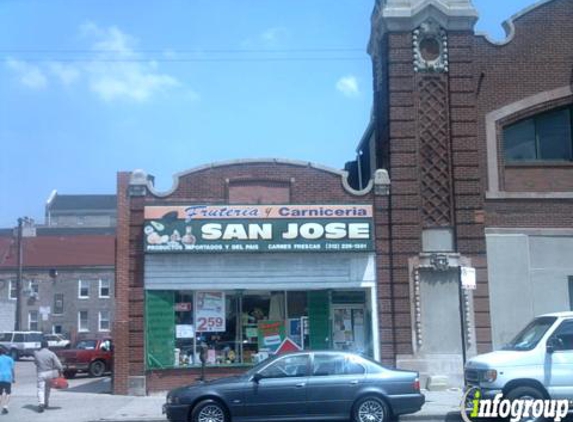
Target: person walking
{"x":7,"y":378}
{"x":48,"y":366}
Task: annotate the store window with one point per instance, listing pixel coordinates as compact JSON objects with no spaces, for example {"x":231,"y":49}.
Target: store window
{"x":242,"y":327}
{"x":33,"y":321}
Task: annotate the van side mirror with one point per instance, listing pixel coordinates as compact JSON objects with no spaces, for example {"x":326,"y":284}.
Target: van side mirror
{"x":553,"y":344}
{"x":257,"y":377}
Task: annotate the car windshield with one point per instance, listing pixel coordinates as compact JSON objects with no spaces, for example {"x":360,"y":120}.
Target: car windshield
{"x":5,"y":336}
{"x":528,"y":338}
{"x":86,"y":344}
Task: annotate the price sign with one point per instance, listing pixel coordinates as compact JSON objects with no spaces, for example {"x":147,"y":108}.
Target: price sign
{"x":210,"y":312}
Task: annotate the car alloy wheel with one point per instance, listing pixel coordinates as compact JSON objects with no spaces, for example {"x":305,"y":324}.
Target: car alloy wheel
{"x":371,"y":409}
{"x":211,"y":413}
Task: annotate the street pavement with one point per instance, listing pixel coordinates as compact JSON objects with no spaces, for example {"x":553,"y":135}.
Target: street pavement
{"x":90,"y":399}
{"x":87,"y":399}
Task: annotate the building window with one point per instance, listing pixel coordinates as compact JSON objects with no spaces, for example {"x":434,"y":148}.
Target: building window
{"x":83,"y":289}
{"x":544,"y":137}
{"x":58,"y":304}
{"x":104,"y":320}
{"x":104,"y":286}
{"x":571,"y":292}
{"x":57,"y":329}
{"x":83,"y":321}
{"x":12,"y":295}
{"x":245,"y":327}
{"x":32,"y":289}
{"x":33,"y":321}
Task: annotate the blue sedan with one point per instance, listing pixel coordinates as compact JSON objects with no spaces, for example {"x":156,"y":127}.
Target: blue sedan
{"x":301,"y":386}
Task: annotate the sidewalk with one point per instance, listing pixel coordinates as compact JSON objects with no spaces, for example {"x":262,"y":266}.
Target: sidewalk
{"x":92,"y":407}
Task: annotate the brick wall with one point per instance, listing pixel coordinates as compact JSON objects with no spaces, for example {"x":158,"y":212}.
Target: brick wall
{"x":307,"y":185}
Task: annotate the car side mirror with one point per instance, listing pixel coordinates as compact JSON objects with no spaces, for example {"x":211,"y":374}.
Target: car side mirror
{"x":257,"y":377}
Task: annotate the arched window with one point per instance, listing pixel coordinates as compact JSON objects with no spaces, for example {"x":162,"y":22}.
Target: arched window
{"x":544,"y":137}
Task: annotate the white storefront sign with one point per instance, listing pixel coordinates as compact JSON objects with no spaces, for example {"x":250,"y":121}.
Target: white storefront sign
{"x":468,"y":278}
{"x":210,"y":312}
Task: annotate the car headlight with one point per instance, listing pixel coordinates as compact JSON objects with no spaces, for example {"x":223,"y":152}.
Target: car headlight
{"x":172,"y":400}
{"x":489,"y":376}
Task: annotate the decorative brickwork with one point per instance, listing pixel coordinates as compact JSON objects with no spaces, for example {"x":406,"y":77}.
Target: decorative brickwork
{"x":434,"y":141}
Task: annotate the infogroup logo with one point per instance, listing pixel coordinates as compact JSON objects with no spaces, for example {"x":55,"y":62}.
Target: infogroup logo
{"x":473,"y":407}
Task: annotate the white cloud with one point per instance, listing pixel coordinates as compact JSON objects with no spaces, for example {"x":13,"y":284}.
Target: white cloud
{"x":348,"y":86}
{"x":29,"y":75}
{"x":119,"y":72}
{"x":67,"y":74}
{"x":272,"y":36}
{"x":114,"y":70}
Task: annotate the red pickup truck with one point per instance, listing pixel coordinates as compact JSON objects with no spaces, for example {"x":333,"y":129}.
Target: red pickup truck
{"x":92,"y":356}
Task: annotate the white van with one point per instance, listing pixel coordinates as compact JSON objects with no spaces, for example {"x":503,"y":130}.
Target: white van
{"x":21,"y":343}
{"x":536,"y":364}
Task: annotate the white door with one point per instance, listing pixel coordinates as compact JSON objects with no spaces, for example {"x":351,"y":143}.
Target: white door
{"x":559,"y":364}
{"x":349,"y":328}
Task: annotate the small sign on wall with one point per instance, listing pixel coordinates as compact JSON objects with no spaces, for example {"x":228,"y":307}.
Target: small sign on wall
{"x":468,"y":278}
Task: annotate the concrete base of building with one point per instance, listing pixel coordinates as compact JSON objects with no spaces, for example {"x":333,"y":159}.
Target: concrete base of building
{"x":439,"y":370}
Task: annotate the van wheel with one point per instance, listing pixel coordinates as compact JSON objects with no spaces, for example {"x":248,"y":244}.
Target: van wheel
{"x":527,"y":393}
{"x":14,"y":354}
{"x":97,"y":368}
{"x":370,"y":409}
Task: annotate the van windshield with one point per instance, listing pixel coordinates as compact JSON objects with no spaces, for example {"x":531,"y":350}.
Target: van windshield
{"x":528,"y":338}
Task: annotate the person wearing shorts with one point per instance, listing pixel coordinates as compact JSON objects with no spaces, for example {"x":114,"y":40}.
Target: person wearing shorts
{"x":7,"y":378}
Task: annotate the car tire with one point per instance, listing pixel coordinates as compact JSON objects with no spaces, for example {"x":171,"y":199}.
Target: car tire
{"x":526,"y":393}
{"x":371,"y":409}
{"x":209,"y":410}
{"x":97,"y":368}
{"x":14,"y":354}
{"x":69,"y":374}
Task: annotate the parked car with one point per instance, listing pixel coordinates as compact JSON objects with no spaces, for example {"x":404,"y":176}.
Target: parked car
{"x":537,"y":363}
{"x":57,"y":341}
{"x":298,"y":386}
{"x":21,"y":343}
{"x":92,"y":356}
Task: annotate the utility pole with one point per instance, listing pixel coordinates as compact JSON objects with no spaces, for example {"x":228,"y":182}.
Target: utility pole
{"x":19,"y":277}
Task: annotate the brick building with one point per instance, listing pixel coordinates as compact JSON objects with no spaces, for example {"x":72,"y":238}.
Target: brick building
{"x":67,"y":267}
{"x":476,"y":138}
{"x":78,"y":301}
{"x":467,"y":163}
{"x":280,"y":248}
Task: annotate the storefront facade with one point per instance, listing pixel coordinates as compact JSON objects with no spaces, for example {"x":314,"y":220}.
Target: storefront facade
{"x":283,"y":258}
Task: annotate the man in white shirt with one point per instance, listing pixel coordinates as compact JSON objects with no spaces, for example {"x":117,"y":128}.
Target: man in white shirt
{"x":48,"y":366}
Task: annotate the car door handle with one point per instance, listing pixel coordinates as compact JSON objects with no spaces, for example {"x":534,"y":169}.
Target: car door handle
{"x":353,"y":382}
{"x":300,"y":385}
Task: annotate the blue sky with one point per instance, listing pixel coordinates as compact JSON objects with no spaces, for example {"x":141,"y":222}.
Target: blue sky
{"x":91,"y":87}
